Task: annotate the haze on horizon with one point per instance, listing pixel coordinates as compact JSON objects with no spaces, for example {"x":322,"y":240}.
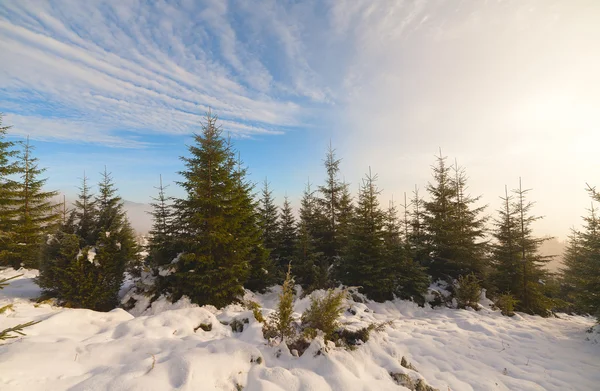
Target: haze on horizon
{"x":509,"y":88}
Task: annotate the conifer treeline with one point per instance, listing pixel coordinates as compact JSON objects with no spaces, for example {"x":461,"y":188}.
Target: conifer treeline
{"x":221,"y":237}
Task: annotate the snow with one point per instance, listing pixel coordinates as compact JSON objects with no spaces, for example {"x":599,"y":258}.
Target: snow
{"x":91,"y":255}
{"x":161,"y":347}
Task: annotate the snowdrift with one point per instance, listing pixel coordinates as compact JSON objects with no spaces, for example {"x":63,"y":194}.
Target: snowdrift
{"x":185,"y":347}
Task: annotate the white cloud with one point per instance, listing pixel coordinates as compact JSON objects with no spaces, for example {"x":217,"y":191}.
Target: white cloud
{"x":141,"y":67}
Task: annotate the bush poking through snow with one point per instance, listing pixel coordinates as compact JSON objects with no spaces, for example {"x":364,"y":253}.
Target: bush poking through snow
{"x":402,"y":379}
{"x":256,"y":310}
{"x":323,"y":314}
{"x":281,"y":322}
{"x":237,"y":325}
{"x":204,"y":326}
{"x":506,"y":303}
{"x":404,"y":362}
{"x":351,"y":339}
{"x":468,"y":291}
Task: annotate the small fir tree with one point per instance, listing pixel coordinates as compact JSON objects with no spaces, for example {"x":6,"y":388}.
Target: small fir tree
{"x":162,"y":248}
{"x":455,"y":230}
{"x":365,"y":263}
{"x":35,"y":212}
{"x":115,"y":247}
{"x":329,"y":203}
{"x":581,"y":273}
{"x":262,"y":270}
{"x":520,"y":258}
{"x":85,"y":213}
{"x":410,"y":280}
{"x":312,"y":268}
{"x":269,"y":223}
{"x":8,"y":198}
{"x":417,"y":236}
{"x":287,"y":236}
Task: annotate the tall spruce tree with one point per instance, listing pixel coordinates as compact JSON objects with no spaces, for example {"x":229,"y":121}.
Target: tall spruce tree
{"x":346,"y":211}
{"x":287,"y":236}
{"x":85,"y":213}
{"x":312,"y":268}
{"x":582,"y":263}
{"x":36,"y":215}
{"x":262,"y":270}
{"x":410,"y":280}
{"x":454,"y":229}
{"x":8,"y":168}
{"x":520,"y":258}
{"x":470,"y":244}
{"x":269,"y":224}
{"x":115,"y":247}
{"x":417,"y":235}
{"x":365,"y":263}
{"x":216,"y":214}
{"x":88,"y":273}
{"x":505,"y":252}
{"x":329,"y":203}
{"x":162,"y":248}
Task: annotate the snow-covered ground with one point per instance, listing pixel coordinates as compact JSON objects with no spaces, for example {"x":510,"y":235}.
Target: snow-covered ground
{"x":158,"y":349}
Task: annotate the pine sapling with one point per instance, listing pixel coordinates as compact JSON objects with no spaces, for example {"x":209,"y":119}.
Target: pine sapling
{"x":281,"y":322}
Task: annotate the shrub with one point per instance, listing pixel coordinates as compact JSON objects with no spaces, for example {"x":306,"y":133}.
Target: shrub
{"x":468,"y":291}
{"x":323,"y":314}
{"x":255,"y":307}
{"x":506,"y":303}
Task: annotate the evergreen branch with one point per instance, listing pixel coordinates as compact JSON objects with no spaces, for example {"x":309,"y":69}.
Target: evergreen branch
{"x":4,"y":281}
{"x":18,"y":329}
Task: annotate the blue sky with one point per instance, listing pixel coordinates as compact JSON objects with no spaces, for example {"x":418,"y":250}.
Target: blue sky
{"x":510,"y":88}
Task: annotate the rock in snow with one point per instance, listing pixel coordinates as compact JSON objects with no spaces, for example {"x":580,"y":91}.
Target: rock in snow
{"x":164,"y":347}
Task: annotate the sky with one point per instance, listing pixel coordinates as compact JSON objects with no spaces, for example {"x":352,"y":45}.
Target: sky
{"x":508,"y":88}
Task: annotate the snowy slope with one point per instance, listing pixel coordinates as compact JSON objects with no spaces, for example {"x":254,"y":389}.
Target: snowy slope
{"x":159,"y":350}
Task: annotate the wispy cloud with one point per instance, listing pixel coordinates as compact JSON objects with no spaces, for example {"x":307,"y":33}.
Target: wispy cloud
{"x":103,"y":67}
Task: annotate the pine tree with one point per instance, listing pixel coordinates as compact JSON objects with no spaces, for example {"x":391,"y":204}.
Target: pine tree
{"x":365,"y":264}
{"x":85,"y":213}
{"x":329,"y":204}
{"x":69,"y":274}
{"x":8,"y":168}
{"x":505,"y":252}
{"x":162,"y":248}
{"x":35,"y":213}
{"x":287,"y":236}
{"x":438,"y":219}
{"x":470,"y":246}
{"x":216,"y":218}
{"x":262,"y":269}
{"x":312,"y":268}
{"x":417,"y":236}
{"x":454,"y":228}
{"x":410,"y":280}
{"x":519,"y":266}
{"x":269,"y":223}
{"x":115,"y":247}
{"x":345,"y":216}
{"x":582,"y":263}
